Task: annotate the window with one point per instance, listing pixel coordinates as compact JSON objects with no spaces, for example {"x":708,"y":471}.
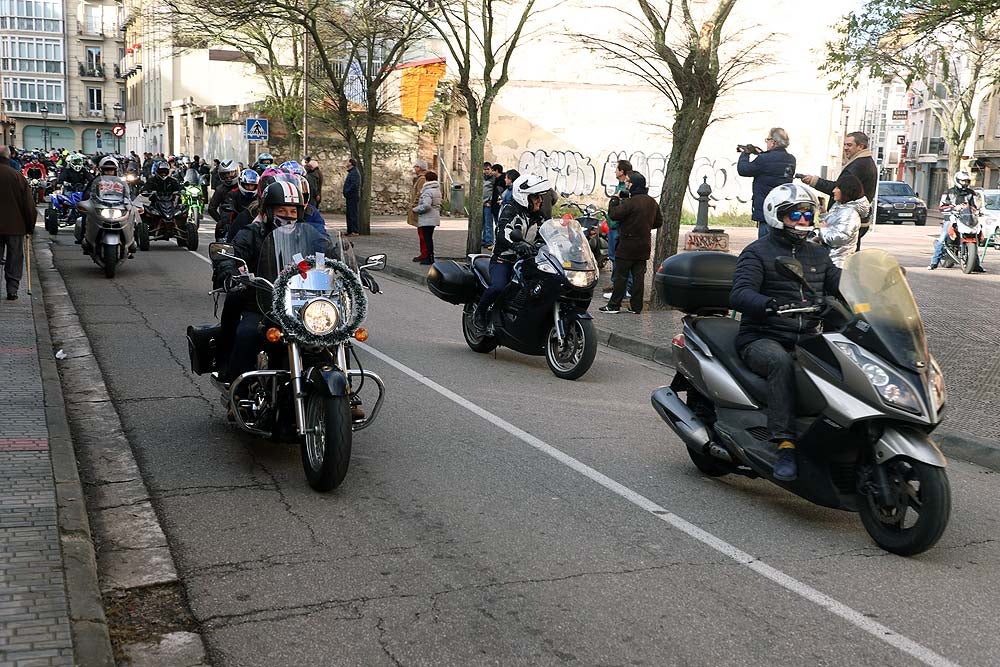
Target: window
{"x":93,"y":66}
{"x":92,"y":20}
{"x":43,"y":55}
{"x":28,"y":95}
{"x":984,"y":114}
{"x":95,"y":101}
{"x":36,"y":15}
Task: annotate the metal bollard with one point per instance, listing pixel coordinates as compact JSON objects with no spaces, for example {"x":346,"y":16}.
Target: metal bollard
{"x":701,"y":221}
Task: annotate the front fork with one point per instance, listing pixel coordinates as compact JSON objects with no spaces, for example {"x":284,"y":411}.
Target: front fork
{"x":560,"y":326}
{"x":298,"y":384}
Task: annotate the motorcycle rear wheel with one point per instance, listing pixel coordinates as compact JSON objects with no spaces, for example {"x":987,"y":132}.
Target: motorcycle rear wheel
{"x":326,"y":448}
{"x":574,"y":357}
{"x":915,"y":487}
{"x":474,"y":338}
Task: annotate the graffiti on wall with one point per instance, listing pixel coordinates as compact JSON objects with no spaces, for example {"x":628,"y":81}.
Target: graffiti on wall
{"x":574,"y":173}
{"x":568,"y":171}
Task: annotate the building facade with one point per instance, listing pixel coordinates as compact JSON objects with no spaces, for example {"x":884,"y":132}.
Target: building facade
{"x":986,"y":152}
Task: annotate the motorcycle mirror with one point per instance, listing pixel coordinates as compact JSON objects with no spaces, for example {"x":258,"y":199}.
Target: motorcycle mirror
{"x":790,"y":267}
{"x":516,"y":236}
{"x":374,"y":262}
{"x":219,"y":250}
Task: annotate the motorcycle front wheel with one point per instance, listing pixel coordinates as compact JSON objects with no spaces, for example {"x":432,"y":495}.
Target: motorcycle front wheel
{"x":192,"y":237}
{"x":51,"y":221}
{"x":142,"y":236}
{"x":970,"y":257}
{"x":573,"y":357}
{"x":916,"y":513}
{"x":110,"y":258}
{"x":326,"y":447}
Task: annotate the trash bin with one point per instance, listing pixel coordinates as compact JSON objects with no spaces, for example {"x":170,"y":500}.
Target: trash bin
{"x":457,"y":200}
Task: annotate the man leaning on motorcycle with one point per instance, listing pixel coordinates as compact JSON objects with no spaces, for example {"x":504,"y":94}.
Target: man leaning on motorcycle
{"x":767,"y":339}
{"x":959,"y":195}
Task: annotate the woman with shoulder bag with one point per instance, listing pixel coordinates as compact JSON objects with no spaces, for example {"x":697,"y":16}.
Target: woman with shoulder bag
{"x":428,"y":210}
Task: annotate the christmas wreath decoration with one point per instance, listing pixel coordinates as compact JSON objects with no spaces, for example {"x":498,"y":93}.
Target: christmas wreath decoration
{"x":292,"y":325}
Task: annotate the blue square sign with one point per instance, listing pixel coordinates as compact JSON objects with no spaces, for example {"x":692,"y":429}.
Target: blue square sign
{"x":256,"y":129}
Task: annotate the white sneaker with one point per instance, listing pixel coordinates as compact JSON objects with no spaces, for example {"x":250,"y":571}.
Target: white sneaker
{"x":607,"y":295}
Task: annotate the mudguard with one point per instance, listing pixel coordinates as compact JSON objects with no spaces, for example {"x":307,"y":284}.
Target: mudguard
{"x":908,"y":443}
{"x":579,"y":315}
{"x":110,"y":238}
{"x":327,"y":380}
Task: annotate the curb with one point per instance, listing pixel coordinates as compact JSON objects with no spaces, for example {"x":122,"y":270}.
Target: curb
{"x":972,"y":449}
{"x":91,"y":639}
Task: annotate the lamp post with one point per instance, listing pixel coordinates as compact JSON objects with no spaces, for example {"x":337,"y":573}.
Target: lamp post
{"x":44,"y":110}
{"x":118,"y":141}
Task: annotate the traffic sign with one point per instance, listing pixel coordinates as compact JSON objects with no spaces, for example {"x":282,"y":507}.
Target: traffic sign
{"x":118,"y":130}
{"x":257,"y":129}
{"x":98,"y":134}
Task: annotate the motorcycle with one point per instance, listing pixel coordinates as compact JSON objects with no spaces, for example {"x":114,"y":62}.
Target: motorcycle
{"x":111,"y":217}
{"x":167,"y":218}
{"x":595,"y":223}
{"x":37,"y":186}
{"x":305,"y":388}
{"x":134,"y":180}
{"x":868,"y":395}
{"x":543,"y":311}
{"x":964,"y":236}
{"x":192,"y":201}
{"x":62,"y":210}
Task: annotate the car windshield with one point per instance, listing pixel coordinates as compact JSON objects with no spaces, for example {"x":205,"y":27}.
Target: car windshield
{"x":567,"y":243}
{"x":894,"y":189}
{"x":876,"y":290}
{"x":992,"y":201}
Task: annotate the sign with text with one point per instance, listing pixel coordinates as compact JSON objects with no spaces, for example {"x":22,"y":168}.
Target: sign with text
{"x":257,"y":129}
{"x":900,"y":114}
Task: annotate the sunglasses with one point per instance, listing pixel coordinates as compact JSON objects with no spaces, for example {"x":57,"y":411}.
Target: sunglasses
{"x":795,"y":216}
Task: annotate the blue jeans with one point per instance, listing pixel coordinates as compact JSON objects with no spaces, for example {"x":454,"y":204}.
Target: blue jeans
{"x":613,"y":235}
{"x":939,"y":245}
{"x":499,"y":277}
{"x":488,"y":225}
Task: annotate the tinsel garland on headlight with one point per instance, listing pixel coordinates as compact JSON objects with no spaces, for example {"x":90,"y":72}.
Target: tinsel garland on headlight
{"x":293,"y":326}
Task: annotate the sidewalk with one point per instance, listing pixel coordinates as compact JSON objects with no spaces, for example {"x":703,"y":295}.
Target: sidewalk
{"x":648,"y":335}
{"x":39,"y":517}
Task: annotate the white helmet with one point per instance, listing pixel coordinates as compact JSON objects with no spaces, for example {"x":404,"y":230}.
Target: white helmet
{"x":529,"y":184}
{"x":108,"y":162}
{"x":785,"y":197}
{"x":963,"y":179}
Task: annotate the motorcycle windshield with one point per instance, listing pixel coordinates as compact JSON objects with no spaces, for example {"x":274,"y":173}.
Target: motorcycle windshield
{"x":876,"y":290}
{"x":279,"y":251}
{"x":109,"y":191}
{"x":567,"y":243}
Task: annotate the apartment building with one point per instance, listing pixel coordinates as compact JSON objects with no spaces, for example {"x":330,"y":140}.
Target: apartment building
{"x":986,"y":152}
{"x":60,"y":85}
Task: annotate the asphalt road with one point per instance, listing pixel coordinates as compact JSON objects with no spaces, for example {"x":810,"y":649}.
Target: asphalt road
{"x":496,"y":515}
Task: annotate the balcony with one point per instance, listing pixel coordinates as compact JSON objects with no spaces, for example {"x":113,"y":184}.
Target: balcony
{"x":91,"y":72}
{"x":933,"y":146}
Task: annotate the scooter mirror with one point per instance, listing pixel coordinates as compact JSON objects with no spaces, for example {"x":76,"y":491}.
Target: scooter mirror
{"x":792,"y":268}
{"x":375,"y":262}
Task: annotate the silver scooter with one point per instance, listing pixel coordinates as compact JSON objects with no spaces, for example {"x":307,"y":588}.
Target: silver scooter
{"x":109,"y":227}
{"x":868,"y":395}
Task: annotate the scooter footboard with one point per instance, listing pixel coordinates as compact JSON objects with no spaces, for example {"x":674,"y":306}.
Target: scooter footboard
{"x":680,"y":418}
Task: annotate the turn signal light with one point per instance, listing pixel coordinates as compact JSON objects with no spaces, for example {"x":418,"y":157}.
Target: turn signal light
{"x":273,"y":335}
{"x":361,"y":335}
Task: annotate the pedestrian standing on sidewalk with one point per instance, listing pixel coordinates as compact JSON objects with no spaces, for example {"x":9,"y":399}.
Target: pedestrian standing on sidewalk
{"x":489,"y":220}
{"x":508,"y":193}
{"x":419,"y":170}
{"x":352,"y":196}
{"x":17,"y":220}
{"x":838,"y":229}
{"x":622,"y":170}
{"x":773,"y":167}
{"x":428,"y":210}
{"x":638,"y":215}
{"x":860,"y":164}
{"x":315,"y":177}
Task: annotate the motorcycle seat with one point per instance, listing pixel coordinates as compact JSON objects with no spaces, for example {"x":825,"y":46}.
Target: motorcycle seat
{"x":719,"y":333}
{"x":481,"y":264}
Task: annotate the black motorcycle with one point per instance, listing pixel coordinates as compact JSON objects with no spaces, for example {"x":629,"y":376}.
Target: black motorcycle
{"x":543,"y":311}
{"x":165,"y":218}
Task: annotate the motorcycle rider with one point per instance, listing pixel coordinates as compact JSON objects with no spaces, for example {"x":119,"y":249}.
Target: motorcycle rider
{"x":161,"y":183}
{"x":282,"y":206}
{"x":34,"y":169}
{"x":767,"y":340}
{"x":228,"y":177}
{"x":73,"y":174}
{"x":240,"y":200}
{"x":520,"y":214}
{"x":959,"y":195}
{"x":310,"y":214}
{"x":264,"y":160}
{"x":108,"y":166}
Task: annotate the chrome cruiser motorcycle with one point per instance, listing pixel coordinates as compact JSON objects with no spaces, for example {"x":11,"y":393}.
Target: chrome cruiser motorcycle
{"x":543,"y":310}
{"x":109,"y":223}
{"x":305,"y":387}
{"x":868,"y":395}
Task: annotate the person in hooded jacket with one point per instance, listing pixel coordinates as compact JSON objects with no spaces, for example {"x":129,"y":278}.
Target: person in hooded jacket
{"x":839,"y":228}
{"x":428,"y":210}
{"x":766,"y":339}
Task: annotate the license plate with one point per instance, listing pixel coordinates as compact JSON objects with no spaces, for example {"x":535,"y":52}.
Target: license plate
{"x":905,"y":215}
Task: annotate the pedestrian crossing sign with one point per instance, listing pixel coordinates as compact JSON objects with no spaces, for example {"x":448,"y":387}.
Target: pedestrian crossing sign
{"x":256,"y":129}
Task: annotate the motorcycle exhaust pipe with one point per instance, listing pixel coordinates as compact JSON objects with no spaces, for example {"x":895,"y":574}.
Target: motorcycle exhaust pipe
{"x":680,"y":418}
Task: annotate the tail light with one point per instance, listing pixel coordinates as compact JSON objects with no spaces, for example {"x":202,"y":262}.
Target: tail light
{"x":678,"y":340}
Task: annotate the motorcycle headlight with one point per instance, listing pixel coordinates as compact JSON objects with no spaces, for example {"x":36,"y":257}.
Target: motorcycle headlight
{"x":937,"y":384}
{"x":320,"y":317}
{"x":580,"y":278}
{"x":112,"y":213}
{"x":891,"y":387}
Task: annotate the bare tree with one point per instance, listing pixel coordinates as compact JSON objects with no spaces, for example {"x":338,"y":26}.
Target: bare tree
{"x":680,"y":49}
{"x":481,"y":52}
{"x":952,"y":62}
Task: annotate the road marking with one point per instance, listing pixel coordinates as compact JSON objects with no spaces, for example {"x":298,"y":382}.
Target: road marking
{"x":852,"y":616}
{"x":200,"y":256}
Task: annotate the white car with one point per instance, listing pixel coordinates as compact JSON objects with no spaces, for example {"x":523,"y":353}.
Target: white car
{"x":990,"y":218}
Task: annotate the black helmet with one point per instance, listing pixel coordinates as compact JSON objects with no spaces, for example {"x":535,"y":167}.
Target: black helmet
{"x":281,"y":193}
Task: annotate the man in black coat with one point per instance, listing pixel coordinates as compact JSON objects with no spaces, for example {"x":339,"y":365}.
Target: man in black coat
{"x":861,"y":165}
{"x":774,"y":167}
{"x":17,"y":220}
{"x":766,"y":338}
{"x":352,"y":196}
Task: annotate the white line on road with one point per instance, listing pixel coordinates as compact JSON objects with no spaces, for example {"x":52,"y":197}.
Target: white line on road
{"x":852,"y":616}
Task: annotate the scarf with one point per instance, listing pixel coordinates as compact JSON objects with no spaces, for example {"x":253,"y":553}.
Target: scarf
{"x":864,"y":153}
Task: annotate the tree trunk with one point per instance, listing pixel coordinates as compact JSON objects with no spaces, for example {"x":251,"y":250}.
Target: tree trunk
{"x":477,"y":147}
{"x":365,"y":205}
{"x":688,"y":129}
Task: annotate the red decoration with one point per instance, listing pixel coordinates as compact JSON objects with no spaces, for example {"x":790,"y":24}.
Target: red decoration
{"x":129,"y":50}
{"x":304,"y":267}
{"x":604,"y":226}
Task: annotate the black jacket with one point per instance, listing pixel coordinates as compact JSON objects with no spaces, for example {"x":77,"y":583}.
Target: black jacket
{"x":219,"y":195}
{"x":352,"y":184}
{"x":769,"y":170}
{"x":864,"y":169}
{"x":756,"y":282}
{"x":161,"y":186}
{"x":78,"y":180}
{"x":512,"y":215}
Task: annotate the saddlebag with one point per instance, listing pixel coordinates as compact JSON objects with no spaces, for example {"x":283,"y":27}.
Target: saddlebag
{"x":203,"y":345}
{"x":452,"y":282}
{"x":696,"y":282}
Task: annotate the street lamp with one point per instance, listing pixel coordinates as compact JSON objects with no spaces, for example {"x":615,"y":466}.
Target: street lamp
{"x":118,"y":112}
{"x":44,"y":110}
